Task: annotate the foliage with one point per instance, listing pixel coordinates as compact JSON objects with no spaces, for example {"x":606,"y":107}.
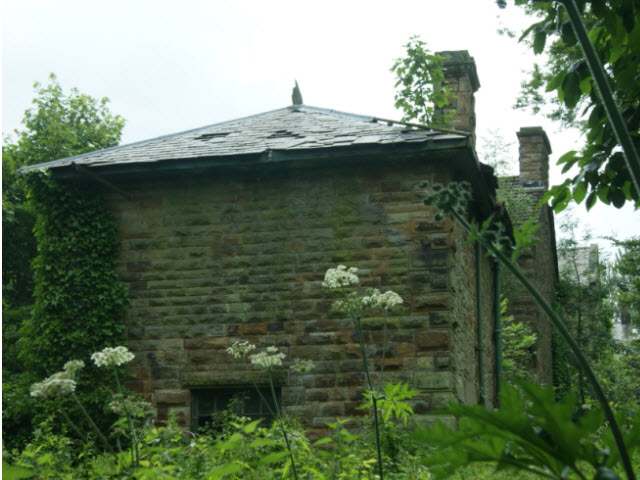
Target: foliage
{"x":393,"y":403}
{"x":58,"y":125}
{"x":244,"y":450}
{"x":419,"y":90}
{"x":627,"y":280}
{"x":340,"y":281}
{"x":614,"y":31}
{"x":583,"y":298}
{"x":241,"y":450}
{"x":452,"y":200}
{"x":531,"y":432}
{"x":19,"y":248}
{"x":79,"y":301}
{"x":518,"y":341}
{"x":495,"y":151}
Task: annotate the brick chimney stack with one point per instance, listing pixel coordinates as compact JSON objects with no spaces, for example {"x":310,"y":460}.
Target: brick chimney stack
{"x":534,"y":157}
{"x":461,"y":77}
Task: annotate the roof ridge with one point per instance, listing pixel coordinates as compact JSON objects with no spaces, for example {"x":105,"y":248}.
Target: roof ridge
{"x":371,"y":118}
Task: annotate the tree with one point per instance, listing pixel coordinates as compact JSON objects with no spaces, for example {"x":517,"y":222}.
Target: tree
{"x":57,"y":125}
{"x":627,"y":288}
{"x":418,"y":87}
{"x":587,"y":94}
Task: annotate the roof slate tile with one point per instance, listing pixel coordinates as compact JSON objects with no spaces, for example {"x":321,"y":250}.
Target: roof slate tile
{"x":299,"y":127}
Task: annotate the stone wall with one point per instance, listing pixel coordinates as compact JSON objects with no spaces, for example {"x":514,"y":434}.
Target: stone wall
{"x":228,"y":256}
{"x":540,"y":266}
{"x":539,"y":262}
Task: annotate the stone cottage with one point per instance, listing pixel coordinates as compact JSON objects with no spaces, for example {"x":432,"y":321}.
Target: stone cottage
{"x":227,"y":231}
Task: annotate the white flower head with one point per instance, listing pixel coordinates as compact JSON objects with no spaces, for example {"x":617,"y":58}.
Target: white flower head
{"x":389,"y":300}
{"x":302,"y":366}
{"x":111,"y":357}
{"x":53,"y":387}
{"x":60,"y":383}
{"x":340,"y":277}
{"x":240,"y":349}
{"x":269,"y":359}
{"x":73,"y":366}
{"x":385,"y":301}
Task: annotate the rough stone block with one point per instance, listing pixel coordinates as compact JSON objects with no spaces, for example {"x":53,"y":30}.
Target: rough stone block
{"x":433,"y":380}
{"x":433,"y":340}
{"x":172,"y":397}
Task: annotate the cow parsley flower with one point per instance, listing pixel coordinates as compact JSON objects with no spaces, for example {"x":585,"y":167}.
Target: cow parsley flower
{"x":386,"y":300}
{"x":73,"y":366}
{"x":112,"y":357}
{"x":269,"y":359}
{"x":303,"y":366}
{"x":240,"y":349}
{"x":341,"y":276}
{"x":58,"y":384}
{"x":54,"y":386}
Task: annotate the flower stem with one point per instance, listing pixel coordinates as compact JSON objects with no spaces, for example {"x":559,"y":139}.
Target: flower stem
{"x":282,"y":427}
{"x":71,"y":424}
{"x":93,"y":425}
{"x":384,"y":351}
{"x":135,"y":452}
{"x":372,"y":392}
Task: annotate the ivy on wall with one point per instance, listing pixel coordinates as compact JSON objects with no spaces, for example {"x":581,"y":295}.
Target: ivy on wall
{"x":79,"y":302}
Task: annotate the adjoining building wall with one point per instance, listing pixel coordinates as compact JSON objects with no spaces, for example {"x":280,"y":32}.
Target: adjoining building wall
{"x":230,"y":256}
{"x":539,"y":262}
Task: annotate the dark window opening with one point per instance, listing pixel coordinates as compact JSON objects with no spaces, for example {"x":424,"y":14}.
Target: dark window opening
{"x":208,"y":136}
{"x":208,"y":406}
{"x":284,"y":134}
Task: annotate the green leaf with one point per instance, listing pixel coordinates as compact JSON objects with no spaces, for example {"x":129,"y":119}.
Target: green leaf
{"x":617,"y":197}
{"x":223,"y":471}
{"x":539,"y":40}
{"x":570,"y":155}
{"x":323,"y":441}
{"x":591,"y":200}
{"x":585,"y":85}
{"x":273,"y":457}
{"x":556,"y":81}
{"x":12,"y":472}
{"x":251,"y":427}
{"x":571,"y":89}
{"x":579,"y":192}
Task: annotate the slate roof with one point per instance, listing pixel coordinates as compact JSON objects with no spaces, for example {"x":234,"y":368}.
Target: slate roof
{"x":298,"y":128}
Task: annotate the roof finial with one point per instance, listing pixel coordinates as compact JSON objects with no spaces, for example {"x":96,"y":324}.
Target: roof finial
{"x":296,"y":96}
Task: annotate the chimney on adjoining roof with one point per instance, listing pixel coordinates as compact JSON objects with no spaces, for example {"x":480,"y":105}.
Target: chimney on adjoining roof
{"x":461,"y":77}
{"x":534,"y":157}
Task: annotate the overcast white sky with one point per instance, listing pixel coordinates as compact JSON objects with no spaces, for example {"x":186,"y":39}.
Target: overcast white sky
{"x":169,"y":66}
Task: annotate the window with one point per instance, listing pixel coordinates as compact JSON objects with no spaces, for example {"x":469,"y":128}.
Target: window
{"x":208,"y":404}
